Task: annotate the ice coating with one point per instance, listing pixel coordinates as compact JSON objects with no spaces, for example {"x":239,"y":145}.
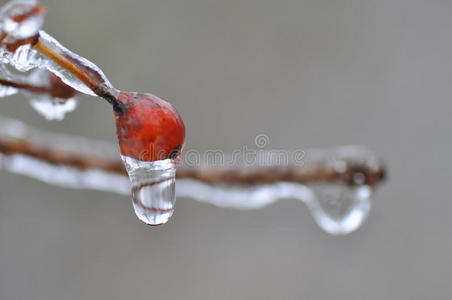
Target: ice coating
{"x":64,"y":176}
{"x":9,"y":73}
{"x":70,"y":79}
{"x":6,"y":91}
{"x":340,"y":209}
{"x":26,"y":58}
{"x":11,"y":129}
{"x":52,"y":108}
{"x":155,"y":204}
{"x":337,"y":208}
{"x":153,"y":188}
{"x":25,"y":47}
{"x":21,"y":19}
{"x":340,"y":213}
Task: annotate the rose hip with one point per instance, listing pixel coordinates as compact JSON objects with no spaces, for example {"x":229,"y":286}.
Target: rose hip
{"x":148,"y":128}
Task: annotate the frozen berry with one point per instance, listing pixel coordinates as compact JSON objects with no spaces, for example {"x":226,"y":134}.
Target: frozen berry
{"x":148,"y":128}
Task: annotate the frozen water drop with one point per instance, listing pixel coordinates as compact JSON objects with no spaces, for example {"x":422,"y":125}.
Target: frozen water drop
{"x":25,"y":58}
{"x":340,"y":209}
{"x":52,"y":108}
{"x":153,"y":188}
{"x":154,"y":203}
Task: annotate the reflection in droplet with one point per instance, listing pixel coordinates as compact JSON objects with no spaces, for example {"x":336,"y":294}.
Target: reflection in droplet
{"x":153,"y":189}
{"x":154,"y":203}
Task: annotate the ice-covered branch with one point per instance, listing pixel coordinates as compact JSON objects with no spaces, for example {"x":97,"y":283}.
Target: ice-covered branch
{"x":336,"y":184}
{"x":349,"y":165}
{"x":24,"y":47}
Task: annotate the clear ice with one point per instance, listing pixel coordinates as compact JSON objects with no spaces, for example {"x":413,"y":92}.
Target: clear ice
{"x":90,"y":68}
{"x":6,"y":91}
{"x":153,"y":188}
{"x":20,"y":30}
{"x":25,"y":58}
{"x":52,"y":108}
{"x":341,"y":211}
{"x":337,"y":208}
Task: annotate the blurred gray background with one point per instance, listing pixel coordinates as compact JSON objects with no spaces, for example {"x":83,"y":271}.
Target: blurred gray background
{"x":306,"y":73}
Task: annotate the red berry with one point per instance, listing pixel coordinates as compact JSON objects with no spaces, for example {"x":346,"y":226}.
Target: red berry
{"x":148,"y":128}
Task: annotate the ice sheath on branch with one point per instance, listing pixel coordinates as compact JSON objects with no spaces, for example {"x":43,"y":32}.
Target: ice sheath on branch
{"x":150,"y":132}
{"x":336,"y":184}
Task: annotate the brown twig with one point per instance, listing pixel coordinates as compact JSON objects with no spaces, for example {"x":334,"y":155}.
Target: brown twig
{"x":354,"y":174}
{"x":25,"y":86}
{"x":35,"y":10}
{"x":65,"y":63}
{"x":72,"y":65}
{"x":82,"y":75}
{"x":88,"y":77}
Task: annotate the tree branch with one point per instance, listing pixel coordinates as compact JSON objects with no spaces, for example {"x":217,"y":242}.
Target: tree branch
{"x":78,"y":72}
{"x":25,"y":86}
{"x":354,"y":173}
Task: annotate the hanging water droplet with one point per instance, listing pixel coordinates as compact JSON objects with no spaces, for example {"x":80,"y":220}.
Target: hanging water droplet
{"x":340,"y":209}
{"x":52,"y":108}
{"x":153,"y":189}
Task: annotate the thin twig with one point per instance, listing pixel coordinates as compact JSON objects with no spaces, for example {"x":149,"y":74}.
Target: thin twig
{"x":25,"y":86}
{"x":79,"y":73}
{"x":305,"y":174}
{"x":354,"y":173}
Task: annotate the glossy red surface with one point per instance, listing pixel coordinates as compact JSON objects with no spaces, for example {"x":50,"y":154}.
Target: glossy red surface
{"x":150,"y":128}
